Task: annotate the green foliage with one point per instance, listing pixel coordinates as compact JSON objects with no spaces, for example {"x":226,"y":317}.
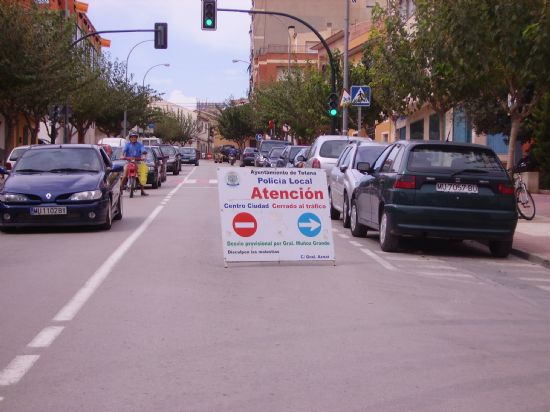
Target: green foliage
{"x":175,"y":127}
{"x":235,"y":122}
{"x":541,"y":133}
{"x":299,"y":100}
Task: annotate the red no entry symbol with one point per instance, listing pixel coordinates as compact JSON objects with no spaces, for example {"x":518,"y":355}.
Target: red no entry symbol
{"x":244,"y":224}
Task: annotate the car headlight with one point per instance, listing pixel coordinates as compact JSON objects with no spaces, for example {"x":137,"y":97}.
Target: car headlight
{"x":88,"y":195}
{"x":13,"y":198}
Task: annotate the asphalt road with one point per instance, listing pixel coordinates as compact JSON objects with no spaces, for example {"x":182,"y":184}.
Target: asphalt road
{"x":146,"y":318}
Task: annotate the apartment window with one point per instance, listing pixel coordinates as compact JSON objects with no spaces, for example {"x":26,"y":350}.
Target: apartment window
{"x":462,"y":129}
{"x":434,"y":127}
{"x":402,"y":133}
{"x":385,"y":137}
{"x":417,"y":130}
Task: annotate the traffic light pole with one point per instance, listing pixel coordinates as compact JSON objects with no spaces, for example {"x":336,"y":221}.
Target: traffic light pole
{"x":309,"y":26}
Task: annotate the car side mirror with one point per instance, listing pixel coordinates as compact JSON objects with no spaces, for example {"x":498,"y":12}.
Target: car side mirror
{"x":4,"y":171}
{"x":364,"y":167}
{"x":116,"y":168}
{"x":343,"y":168}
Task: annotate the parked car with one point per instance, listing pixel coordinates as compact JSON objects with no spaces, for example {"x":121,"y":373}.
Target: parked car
{"x":287,"y":157}
{"x":273,"y":156}
{"x":247,"y":158}
{"x":154,"y":166}
{"x":265,"y":148}
{"x":61,"y":185}
{"x":344,"y":177}
{"x":163,"y":159}
{"x":189,"y":155}
{"x":14,"y":155}
{"x":438,"y":190}
{"x":299,"y":159}
{"x":326,"y":149}
{"x":113,"y":141}
{"x":173,"y":163}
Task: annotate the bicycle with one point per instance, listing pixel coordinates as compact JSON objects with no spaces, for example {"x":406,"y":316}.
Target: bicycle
{"x":525,"y":202}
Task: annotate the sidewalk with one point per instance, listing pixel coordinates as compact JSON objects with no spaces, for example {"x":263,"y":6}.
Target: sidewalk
{"x":532,"y":238}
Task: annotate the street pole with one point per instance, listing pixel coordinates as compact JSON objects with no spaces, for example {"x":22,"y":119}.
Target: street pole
{"x":359,"y":120}
{"x":151,"y":68}
{"x":345,"y":121}
{"x":125,"y":121}
{"x":290,"y":28}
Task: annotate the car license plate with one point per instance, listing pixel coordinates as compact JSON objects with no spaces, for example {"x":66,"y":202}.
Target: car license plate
{"x":456,"y":188}
{"x":51,"y":210}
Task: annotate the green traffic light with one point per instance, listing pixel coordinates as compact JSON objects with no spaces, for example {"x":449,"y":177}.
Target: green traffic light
{"x":333,"y":112}
{"x":209,"y":22}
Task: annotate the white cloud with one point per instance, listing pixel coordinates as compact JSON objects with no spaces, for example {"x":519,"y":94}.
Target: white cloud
{"x":178,"y":97}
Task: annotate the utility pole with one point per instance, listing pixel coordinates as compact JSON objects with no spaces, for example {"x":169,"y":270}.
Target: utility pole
{"x":345,"y":122}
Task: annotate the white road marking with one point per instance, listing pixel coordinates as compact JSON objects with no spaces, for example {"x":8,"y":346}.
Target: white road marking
{"x":379,"y":259}
{"x":69,"y":311}
{"x":334,"y":229}
{"x":443,"y":274}
{"x":191,"y":181}
{"x":1,"y":399}
{"x":391,"y":256}
{"x":355,"y":243}
{"x":546,"y":288}
{"x":17,"y":369}
{"x":213,"y":181}
{"x":46,"y":337}
{"x":446,"y":267}
{"x":536,"y":279}
{"x":343,"y":236}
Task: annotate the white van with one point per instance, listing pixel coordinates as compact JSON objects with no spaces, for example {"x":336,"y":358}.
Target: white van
{"x":150,"y":141}
{"x":113,"y":141}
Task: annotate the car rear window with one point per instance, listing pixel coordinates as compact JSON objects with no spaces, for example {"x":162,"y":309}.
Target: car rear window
{"x":332,"y":148}
{"x":169,"y":150}
{"x":453,"y":159}
{"x":368,"y":154}
{"x":187,"y":150}
{"x":17,"y":153}
{"x":276,"y":151}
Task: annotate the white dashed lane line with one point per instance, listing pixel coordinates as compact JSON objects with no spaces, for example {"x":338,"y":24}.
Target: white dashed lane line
{"x":17,"y":369}
{"x":46,"y":337}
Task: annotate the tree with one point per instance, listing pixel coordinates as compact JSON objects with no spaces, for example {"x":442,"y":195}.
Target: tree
{"x":541,"y":133}
{"x":36,"y":62}
{"x":235,"y":122}
{"x":502,"y":56}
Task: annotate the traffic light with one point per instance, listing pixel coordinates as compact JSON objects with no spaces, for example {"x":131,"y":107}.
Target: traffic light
{"x":333,"y":105}
{"x":209,"y":11}
{"x":161,"y":35}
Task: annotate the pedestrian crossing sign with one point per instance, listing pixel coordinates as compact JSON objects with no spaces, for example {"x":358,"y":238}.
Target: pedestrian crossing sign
{"x":360,"y":96}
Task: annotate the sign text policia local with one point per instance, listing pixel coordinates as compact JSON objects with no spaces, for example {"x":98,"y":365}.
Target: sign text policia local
{"x":275,"y":214}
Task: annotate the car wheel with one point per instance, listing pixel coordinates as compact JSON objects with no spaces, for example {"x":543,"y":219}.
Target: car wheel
{"x":155,"y":183}
{"x":196,"y":164}
{"x":500,"y":248}
{"x":109,"y":218}
{"x":118,"y":214}
{"x":8,"y":229}
{"x":345,"y":212}
{"x":357,"y":229}
{"x":334,"y":214}
{"x":388,"y":241}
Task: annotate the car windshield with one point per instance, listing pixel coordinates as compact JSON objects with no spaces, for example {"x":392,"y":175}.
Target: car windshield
{"x":454,"y":159}
{"x":368,"y":154}
{"x":276,"y":152}
{"x":249,"y":150}
{"x":268,"y":146}
{"x":169,"y":150}
{"x":17,"y":153}
{"x":187,"y":151}
{"x":117,"y":153}
{"x":59,"y":160}
{"x":332,"y":148}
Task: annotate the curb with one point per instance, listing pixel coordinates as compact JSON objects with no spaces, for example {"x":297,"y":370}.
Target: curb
{"x":531,"y":258}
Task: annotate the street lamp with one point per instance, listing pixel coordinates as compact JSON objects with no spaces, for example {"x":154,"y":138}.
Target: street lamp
{"x":237,"y":60}
{"x":126,"y":82}
{"x":291,"y":36}
{"x":151,"y":68}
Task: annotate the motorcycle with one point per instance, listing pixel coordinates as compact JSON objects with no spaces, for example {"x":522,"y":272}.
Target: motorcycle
{"x":232,"y":159}
{"x":132,"y":173}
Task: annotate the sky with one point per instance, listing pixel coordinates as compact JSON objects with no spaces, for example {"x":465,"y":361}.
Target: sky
{"x":201,"y":66}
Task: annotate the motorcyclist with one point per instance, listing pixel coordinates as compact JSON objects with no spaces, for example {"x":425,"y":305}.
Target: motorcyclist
{"x":133,"y":149}
{"x":232,"y":154}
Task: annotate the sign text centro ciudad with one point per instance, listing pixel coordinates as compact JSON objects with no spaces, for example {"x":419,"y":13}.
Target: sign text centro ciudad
{"x":275,"y":214}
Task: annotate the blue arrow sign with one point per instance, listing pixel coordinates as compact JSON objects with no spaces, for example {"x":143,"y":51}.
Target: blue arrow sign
{"x":309,"y":224}
{"x":360,"y":96}
{"x":259,"y":137}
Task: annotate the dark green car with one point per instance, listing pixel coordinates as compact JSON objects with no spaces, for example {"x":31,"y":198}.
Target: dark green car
{"x":437,"y":190}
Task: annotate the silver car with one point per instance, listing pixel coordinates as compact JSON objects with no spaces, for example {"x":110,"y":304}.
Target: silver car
{"x":344,"y":177}
{"x":326,"y":149}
